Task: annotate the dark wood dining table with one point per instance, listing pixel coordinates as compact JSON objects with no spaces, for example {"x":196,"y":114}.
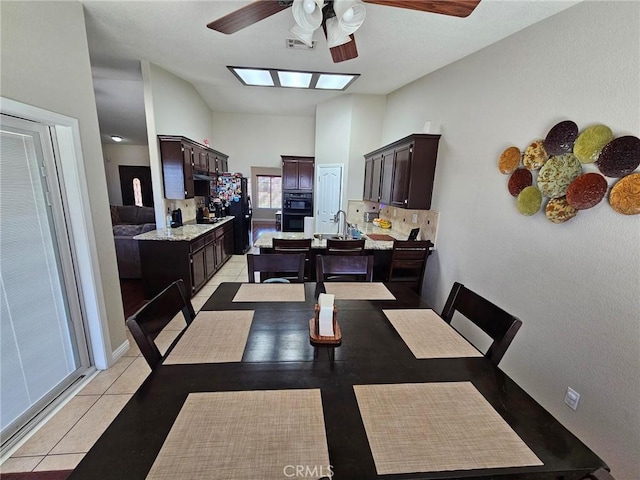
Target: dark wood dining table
{"x":278,"y":355}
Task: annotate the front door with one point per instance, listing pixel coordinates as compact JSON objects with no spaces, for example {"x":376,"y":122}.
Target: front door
{"x":135,"y":184}
{"x":328,"y":197}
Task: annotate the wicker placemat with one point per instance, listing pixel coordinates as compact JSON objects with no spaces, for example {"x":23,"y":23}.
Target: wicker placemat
{"x":270,"y":292}
{"x":358,"y":291}
{"x":433,"y":427}
{"x":428,"y":336}
{"x":213,"y":337}
{"x":243,"y":435}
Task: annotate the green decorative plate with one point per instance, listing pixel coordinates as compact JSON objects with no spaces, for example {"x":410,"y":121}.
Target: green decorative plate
{"x":529,"y":201}
{"x":557,"y":174}
{"x":590,"y":142}
{"x":558,"y":210}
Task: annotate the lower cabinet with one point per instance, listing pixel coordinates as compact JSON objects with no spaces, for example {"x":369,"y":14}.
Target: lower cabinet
{"x":194,"y":261}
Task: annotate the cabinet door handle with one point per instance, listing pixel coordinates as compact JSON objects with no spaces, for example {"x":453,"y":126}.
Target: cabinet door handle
{"x":406,"y":201}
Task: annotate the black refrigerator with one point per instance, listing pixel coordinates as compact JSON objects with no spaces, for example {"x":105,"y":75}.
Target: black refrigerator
{"x":232,"y":189}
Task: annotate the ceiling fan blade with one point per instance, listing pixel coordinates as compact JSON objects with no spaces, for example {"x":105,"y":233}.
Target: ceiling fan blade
{"x":248,"y":15}
{"x":455,"y":8}
{"x":346,"y":51}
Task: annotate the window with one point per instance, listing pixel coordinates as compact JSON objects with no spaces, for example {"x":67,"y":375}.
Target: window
{"x":269,"y":191}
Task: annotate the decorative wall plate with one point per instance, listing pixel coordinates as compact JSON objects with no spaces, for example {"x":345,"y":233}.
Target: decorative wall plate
{"x":519,"y":180}
{"x":559,"y":211}
{"x":561,"y":137}
{"x":556,"y":175}
{"x":620,"y":156}
{"x":586,"y":191}
{"x":590,"y":142}
{"x":625,"y":195}
{"x":529,"y":201}
{"x":509,"y":160}
{"x":535,"y":156}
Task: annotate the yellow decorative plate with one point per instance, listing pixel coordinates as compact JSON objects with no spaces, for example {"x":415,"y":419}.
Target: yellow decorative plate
{"x":625,"y":195}
{"x":509,"y":160}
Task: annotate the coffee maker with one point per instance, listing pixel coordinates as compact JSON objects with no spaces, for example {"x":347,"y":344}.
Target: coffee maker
{"x":176,"y":218}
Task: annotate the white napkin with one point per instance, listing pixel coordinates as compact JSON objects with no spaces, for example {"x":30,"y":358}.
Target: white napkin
{"x":325,"y":319}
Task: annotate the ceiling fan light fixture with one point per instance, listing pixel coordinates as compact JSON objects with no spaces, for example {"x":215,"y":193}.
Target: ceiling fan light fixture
{"x":307,"y":20}
{"x":350,"y":14}
{"x":305,"y":36}
{"x":336,"y":36}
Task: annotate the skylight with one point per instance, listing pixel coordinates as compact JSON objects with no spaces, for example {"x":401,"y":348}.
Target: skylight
{"x":270,"y":77}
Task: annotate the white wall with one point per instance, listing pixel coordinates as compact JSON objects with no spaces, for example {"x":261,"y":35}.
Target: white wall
{"x":172,"y":107}
{"x":259,"y":140}
{"x":576,"y":286}
{"x":45,"y":63}
{"x":346,"y":128}
{"x":116,"y":155}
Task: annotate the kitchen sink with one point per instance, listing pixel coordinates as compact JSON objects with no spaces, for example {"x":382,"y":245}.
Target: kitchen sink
{"x":331,"y":236}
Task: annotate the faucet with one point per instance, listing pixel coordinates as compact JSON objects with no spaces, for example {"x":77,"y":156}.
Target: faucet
{"x":336,"y":219}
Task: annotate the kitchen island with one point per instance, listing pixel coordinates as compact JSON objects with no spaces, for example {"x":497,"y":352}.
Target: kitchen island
{"x":193,"y":253}
{"x":381,"y":249}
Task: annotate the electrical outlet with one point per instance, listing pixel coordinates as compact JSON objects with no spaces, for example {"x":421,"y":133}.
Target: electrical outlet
{"x":572,"y":398}
{"x":395,"y":212}
{"x":414,"y":218}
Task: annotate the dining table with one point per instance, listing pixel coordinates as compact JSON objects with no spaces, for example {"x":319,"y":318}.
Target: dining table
{"x":403,"y":396}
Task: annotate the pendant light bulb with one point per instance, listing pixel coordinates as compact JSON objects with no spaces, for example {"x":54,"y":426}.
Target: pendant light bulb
{"x":347,"y":16}
{"x":309,"y":6}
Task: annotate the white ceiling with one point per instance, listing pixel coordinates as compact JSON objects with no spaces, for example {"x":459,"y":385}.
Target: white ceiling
{"x":395,"y":47}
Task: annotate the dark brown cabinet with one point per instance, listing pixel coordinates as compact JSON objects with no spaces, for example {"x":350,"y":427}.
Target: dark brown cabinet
{"x":297,"y":173}
{"x":195,"y":261}
{"x":401,"y":174}
{"x":180,"y":158}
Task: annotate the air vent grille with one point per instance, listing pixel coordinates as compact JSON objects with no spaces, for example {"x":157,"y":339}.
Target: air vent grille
{"x":296,"y":44}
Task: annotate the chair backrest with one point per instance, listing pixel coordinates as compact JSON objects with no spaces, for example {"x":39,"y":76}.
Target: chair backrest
{"x":341,"y":267}
{"x":345,"y":247}
{"x":600,"y":474}
{"x":148,"y":322}
{"x":302,"y":245}
{"x":277,"y":263}
{"x":495,"y":322}
{"x":292,"y":245}
{"x":408,"y":261}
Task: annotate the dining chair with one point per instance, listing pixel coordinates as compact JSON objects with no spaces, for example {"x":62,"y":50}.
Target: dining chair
{"x":271,"y":264}
{"x":150,"y":320}
{"x":408,"y":262}
{"x":600,"y":474}
{"x":494,"y":321}
{"x":345,"y":247}
{"x":300,"y":245}
{"x":344,"y":267}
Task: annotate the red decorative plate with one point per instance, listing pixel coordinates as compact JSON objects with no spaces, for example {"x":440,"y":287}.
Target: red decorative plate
{"x":586,"y":191}
{"x":519,"y":180}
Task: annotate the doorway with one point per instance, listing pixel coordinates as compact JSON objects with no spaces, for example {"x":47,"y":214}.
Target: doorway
{"x":328,"y":197}
{"x":44,"y":349}
{"x":135,"y":185}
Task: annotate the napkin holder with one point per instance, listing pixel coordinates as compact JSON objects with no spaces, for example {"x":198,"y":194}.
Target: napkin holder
{"x":316,"y":322}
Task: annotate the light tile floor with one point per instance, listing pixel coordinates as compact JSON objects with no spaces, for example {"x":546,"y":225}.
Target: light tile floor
{"x":63,"y":441}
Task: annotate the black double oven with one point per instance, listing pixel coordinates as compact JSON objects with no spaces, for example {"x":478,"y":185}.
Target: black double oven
{"x":296,"y":206}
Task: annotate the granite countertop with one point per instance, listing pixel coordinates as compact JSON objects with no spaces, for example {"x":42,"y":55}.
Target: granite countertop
{"x":265,"y":240}
{"x":186,"y":233}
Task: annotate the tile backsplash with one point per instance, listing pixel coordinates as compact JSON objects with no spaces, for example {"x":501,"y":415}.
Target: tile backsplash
{"x":402,"y":220}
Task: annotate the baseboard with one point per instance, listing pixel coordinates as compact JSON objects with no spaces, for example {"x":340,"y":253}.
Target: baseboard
{"x":119,"y":352}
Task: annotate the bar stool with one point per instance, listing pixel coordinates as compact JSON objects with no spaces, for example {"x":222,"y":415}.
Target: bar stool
{"x":345,"y":247}
{"x":287,"y":245}
{"x":408,"y":261}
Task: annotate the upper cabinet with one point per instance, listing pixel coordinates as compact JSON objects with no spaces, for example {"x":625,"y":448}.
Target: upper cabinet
{"x":297,"y":173}
{"x":401,"y":174}
{"x":180,"y":158}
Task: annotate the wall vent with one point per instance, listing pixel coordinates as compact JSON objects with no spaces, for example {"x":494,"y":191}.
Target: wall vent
{"x":296,"y":44}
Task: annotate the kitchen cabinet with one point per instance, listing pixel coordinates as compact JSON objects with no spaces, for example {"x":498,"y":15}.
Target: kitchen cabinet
{"x":180,"y":158}
{"x":194,"y":261}
{"x":297,"y":173}
{"x":401,"y":174}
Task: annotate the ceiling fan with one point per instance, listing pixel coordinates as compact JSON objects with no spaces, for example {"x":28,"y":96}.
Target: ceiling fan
{"x":339,"y":18}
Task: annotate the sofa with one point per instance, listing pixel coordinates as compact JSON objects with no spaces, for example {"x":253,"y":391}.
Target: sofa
{"x":129,"y":221}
